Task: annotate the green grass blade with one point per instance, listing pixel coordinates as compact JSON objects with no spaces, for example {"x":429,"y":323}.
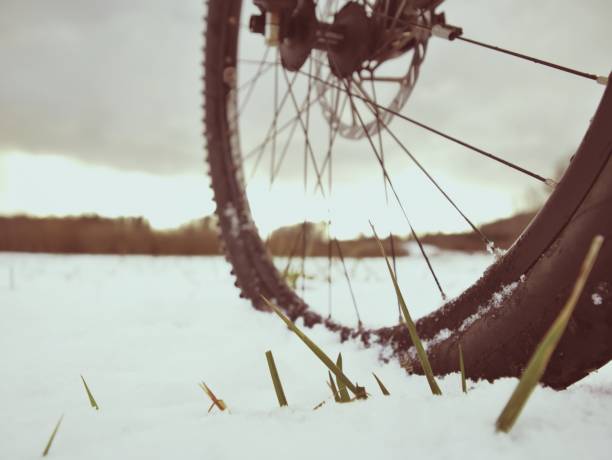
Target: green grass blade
{"x":462,"y":369}
{"x":541,"y":357}
{"x":92,"y":401}
{"x":433,"y":385}
{"x":358,"y":391}
{"x":50,"y":442}
{"x":332,"y":386}
{"x":382,"y":386}
{"x":278,"y":387}
{"x":342,"y":391}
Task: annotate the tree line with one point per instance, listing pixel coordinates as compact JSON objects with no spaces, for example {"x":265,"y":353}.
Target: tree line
{"x":98,"y":235}
{"x":91,"y":234}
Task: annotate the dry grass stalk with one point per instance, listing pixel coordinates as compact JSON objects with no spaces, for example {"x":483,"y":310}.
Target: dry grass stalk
{"x":278,"y":387}
{"x":50,"y":442}
{"x":414,"y":336}
{"x":358,"y":391}
{"x":219,"y":403}
{"x":318,"y":406}
{"x":92,"y":401}
{"x":541,"y":357}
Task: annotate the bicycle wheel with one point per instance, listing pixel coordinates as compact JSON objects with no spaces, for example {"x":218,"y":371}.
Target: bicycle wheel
{"x":500,"y":318}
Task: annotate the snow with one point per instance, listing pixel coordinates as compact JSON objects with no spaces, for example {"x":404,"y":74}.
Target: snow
{"x":496,"y":301}
{"x":494,"y":250}
{"x":231,"y":213}
{"x":597,"y":299}
{"x":144,"y":331}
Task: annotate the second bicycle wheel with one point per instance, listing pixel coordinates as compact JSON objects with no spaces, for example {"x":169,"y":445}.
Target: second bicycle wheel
{"x":337,"y":133}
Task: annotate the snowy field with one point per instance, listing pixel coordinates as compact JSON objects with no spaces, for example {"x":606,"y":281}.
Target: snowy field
{"x":144,"y":331}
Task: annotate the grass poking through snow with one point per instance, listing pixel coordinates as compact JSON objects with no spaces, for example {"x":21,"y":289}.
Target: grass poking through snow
{"x":52,"y":437}
{"x":358,"y":391}
{"x":541,"y":357}
{"x":414,"y":336}
{"x":462,"y":369}
{"x":333,"y":388}
{"x":278,"y":387}
{"x":92,"y":400}
{"x":342,"y":391}
{"x":382,"y":386}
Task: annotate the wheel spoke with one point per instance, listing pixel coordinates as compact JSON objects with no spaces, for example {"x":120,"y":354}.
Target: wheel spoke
{"x":597,"y":78}
{"x":249,"y":82}
{"x":257,"y":149}
{"x":348,"y":282}
{"x":255,"y":62}
{"x":294,"y":124}
{"x":275,"y":122}
{"x":334,"y":129}
{"x":261,"y":69}
{"x":379,"y":134}
{"x":384,"y":79}
{"x":305,"y":131}
{"x":391,"y":186}
{"x":488,"y":243}
{"x":480,"y":151}
{"x":285,"y":150}
{"x":434,"y":31}
{"x":329,"y":270}
{"x":303,"y":265}
{"x":272,"y":133}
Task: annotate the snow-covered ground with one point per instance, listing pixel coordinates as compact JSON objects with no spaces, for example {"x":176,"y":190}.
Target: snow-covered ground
{"x":144,"y":331}
{"x":374,"y":293}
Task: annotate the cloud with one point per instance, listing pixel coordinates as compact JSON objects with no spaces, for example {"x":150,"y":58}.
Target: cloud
{"x":118,"y":84}
{"x":112,"y":83}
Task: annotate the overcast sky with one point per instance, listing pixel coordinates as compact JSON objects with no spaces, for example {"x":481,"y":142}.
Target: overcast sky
{"x":111,"y":91}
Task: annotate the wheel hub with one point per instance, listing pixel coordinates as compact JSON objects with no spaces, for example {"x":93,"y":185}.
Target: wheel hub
{"x":359,"y":37}
{"x":351,"y":44}
{"x":352,"y":39}
{"x":300,"y":37}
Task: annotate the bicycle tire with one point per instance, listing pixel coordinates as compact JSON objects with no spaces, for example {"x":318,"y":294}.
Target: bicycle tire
{"x":540,"y":267}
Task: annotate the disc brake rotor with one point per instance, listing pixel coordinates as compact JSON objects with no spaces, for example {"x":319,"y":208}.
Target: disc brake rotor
{"x":359,"y":60}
